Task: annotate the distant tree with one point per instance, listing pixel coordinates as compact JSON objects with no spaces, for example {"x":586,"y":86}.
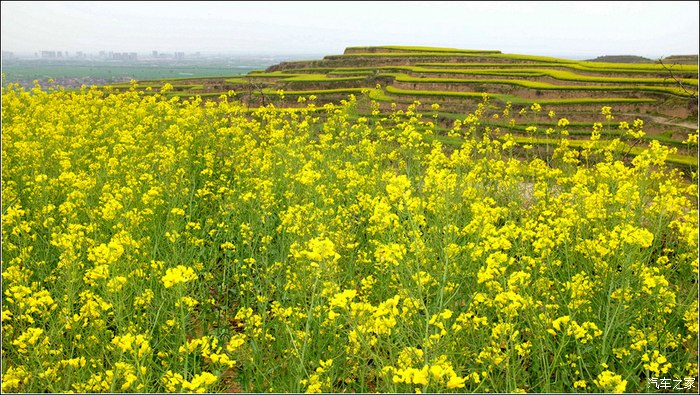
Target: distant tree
{"x":252,"y":86}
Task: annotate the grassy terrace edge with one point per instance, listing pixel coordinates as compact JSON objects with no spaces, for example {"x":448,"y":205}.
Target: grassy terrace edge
{"x":583,"y":66}
{"x":421,"y":49}
{"x":515,"y":99}
{"x":543,"y":85}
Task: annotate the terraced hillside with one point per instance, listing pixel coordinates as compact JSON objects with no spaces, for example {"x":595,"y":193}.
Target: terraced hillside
{"x":664,"y":96}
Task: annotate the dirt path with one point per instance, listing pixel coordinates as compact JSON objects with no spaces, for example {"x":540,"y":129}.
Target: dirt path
{"x":667,"y":121}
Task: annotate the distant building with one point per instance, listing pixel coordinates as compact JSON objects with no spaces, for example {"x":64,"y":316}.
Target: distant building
{"x":179,"y":55}
{"x":155,"y":53}
{"x":8,"y":55}
{"x":123,"y":55}
{"x":48,"y":54}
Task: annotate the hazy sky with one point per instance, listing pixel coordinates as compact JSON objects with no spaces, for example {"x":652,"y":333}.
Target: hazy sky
{"x":574,"y":29}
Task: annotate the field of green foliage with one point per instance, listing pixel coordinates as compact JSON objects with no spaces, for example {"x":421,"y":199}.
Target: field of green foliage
{"x":158,"y":244}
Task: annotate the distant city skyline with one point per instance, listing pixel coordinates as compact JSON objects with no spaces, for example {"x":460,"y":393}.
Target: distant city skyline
{"x":565,"y":29}
{"x":78,"y":53}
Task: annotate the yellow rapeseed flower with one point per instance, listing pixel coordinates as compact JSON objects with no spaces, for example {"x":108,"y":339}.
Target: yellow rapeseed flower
{"x":609,"y":381}
{"x":177,"y":275}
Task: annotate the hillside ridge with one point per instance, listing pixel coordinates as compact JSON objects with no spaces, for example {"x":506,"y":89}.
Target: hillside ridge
{"x":457,"y":79}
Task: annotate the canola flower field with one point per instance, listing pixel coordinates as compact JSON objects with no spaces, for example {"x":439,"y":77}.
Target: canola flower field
{"x":151,"y":244}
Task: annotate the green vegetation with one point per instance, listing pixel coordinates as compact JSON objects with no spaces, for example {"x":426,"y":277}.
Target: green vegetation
{"x":542,"y":85}
{"x":158,"y":85}
{"x":351,"y":72}
{"x":621,"y":59}
{"x":556,"y":74}
{"x":691,"y":59}
{"x":237,"y":80}
{"x":584,"y":66}
{"x":453,"y":54}
{"x":515,"y":99}
{"x":422,"y":49}
{"x":273,"y":92}
{"x":111,"y":71}
{"x":320,"y":78}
